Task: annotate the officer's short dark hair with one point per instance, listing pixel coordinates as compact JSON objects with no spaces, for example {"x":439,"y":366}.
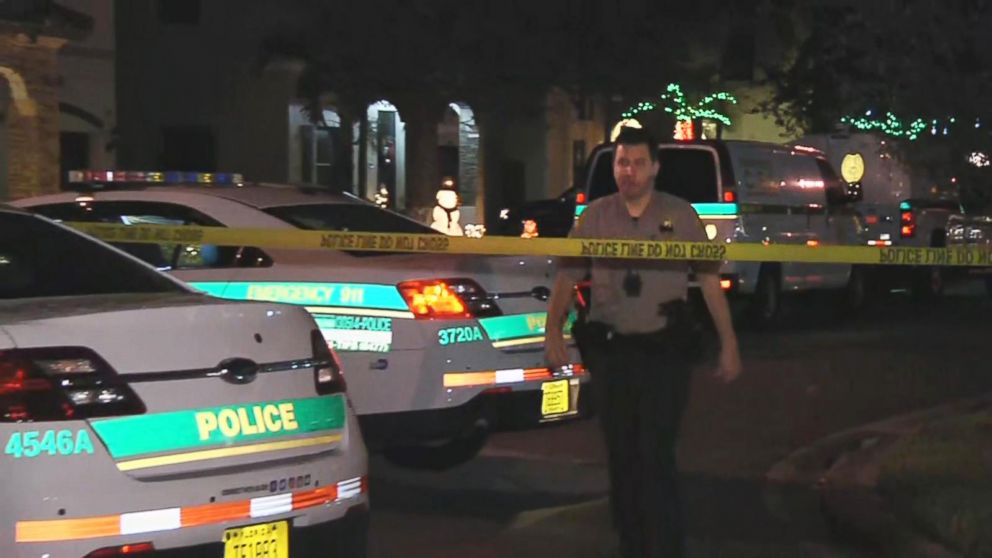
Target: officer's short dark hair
{"x":638,"y":136}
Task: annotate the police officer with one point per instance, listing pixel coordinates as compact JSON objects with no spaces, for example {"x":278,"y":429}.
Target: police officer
{"x":639,"y":343}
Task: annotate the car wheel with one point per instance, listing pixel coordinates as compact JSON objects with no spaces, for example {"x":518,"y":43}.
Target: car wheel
{"x":855,"y":295}
{"x":441,"y":455}
{"x":928,"y":283}
{"x":766,"y":303}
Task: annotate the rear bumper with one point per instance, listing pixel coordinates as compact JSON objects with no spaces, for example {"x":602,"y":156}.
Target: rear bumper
{"x":343,"y":538}
{"x":493,"y":410}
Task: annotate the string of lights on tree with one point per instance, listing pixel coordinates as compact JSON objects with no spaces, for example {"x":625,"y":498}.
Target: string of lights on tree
{"x":674,"y":102}
{"x":893,"y":126}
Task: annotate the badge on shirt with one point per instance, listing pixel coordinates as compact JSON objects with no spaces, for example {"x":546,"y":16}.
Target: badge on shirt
{"x":666,"y":226}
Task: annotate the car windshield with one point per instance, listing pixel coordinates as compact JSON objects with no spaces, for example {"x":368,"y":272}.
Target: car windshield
{"x":41,"y":259}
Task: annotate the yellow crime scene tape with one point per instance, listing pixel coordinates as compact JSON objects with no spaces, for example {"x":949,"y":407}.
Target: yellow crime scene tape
{"x":293,"y":239}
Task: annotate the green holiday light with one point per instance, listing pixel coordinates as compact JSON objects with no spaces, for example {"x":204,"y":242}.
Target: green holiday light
{"x":675,"y":102}
{"x":895,"y":127}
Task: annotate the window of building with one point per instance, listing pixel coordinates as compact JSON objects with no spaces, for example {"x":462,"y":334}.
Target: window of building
{"x":323,"y":153}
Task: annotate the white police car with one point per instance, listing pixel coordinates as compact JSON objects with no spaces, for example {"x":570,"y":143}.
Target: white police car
{"x":141,"y":418}
{"x":439,"y":349}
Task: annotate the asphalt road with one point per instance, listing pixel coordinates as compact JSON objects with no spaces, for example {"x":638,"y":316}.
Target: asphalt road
{"x":542,"y":492}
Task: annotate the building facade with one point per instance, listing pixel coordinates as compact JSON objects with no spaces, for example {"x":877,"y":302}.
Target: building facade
{"x":32,"y":33}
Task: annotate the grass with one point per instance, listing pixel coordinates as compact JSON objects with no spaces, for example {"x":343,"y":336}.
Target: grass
{"x":941,"y":479}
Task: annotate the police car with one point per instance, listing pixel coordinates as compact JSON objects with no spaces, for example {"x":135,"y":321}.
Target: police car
{"x":139,"y":417}
{"x":439,"y":349}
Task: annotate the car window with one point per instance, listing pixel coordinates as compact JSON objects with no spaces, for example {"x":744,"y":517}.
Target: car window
{"x":40,"y":259}
{"x":164,"y":256}
{"x":688,"y":173}
{"x":351,"y":217}
{"x":603,"y":182}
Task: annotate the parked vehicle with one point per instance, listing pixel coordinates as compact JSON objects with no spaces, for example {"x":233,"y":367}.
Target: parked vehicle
{"x":972,"y":231}
{"x":139,"y":417}
{"x":440,"y":349}
{"x":897,"y":205}
{"x":743,"y":191}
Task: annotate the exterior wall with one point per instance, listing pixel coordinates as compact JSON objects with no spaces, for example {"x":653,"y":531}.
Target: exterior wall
{"x":565,"y":128}
{"x":204,"y":74}
{"x":86,"y":84}
{"x":28,"y":68}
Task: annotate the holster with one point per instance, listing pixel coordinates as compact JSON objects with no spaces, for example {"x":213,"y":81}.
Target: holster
{"x":682,"y":334}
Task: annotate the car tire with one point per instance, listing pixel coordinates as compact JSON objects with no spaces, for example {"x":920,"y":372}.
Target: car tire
{"x":766,"y":302}
{"x":855,"y":296}
{"x":441,"y":455}
{"x":928,"y":283}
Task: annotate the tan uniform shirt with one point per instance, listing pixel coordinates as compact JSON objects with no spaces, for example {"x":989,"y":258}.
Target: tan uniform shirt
{"x":666,"y":218}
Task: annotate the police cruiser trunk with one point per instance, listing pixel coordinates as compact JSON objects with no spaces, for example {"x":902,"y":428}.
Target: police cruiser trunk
{"x":138,"y":416}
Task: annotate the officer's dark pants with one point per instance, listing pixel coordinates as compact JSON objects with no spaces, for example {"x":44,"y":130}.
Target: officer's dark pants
{"x":641,"y":385}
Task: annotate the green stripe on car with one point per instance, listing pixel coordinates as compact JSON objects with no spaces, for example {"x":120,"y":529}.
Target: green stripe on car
{"x":219,"y":426}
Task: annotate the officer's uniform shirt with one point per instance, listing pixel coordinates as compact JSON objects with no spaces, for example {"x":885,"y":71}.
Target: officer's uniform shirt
{"x":615,"y":300}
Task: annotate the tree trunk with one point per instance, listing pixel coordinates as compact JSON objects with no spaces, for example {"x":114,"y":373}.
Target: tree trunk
{"x":344,"y":172}
{"x":363,"y":153}
{"x":421,"y":114}
{"x":490,"y":197}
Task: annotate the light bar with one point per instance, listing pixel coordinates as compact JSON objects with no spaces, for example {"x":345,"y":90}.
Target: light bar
{"x":155,"y":177}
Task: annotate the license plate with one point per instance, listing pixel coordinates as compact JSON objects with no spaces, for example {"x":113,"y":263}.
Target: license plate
{"x":559,"y":398}
{"x":268,"y":540}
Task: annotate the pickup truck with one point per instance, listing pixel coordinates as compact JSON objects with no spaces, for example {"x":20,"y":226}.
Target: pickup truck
{"x":972,"y":231}
{"x":914,"y":222}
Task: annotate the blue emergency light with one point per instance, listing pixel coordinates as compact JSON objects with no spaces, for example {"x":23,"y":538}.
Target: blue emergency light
{"x":155,"y":177}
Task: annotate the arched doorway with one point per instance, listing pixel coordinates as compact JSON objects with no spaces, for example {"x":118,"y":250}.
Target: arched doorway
{"x":384,"y":154}
{"x":458,"y":157}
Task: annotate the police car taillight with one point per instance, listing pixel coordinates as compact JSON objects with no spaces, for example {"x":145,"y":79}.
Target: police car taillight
{"x":61,"y":383}
{"x":328,"y":375}
{"x":908,"y":224}
{"x":447,"y":299}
